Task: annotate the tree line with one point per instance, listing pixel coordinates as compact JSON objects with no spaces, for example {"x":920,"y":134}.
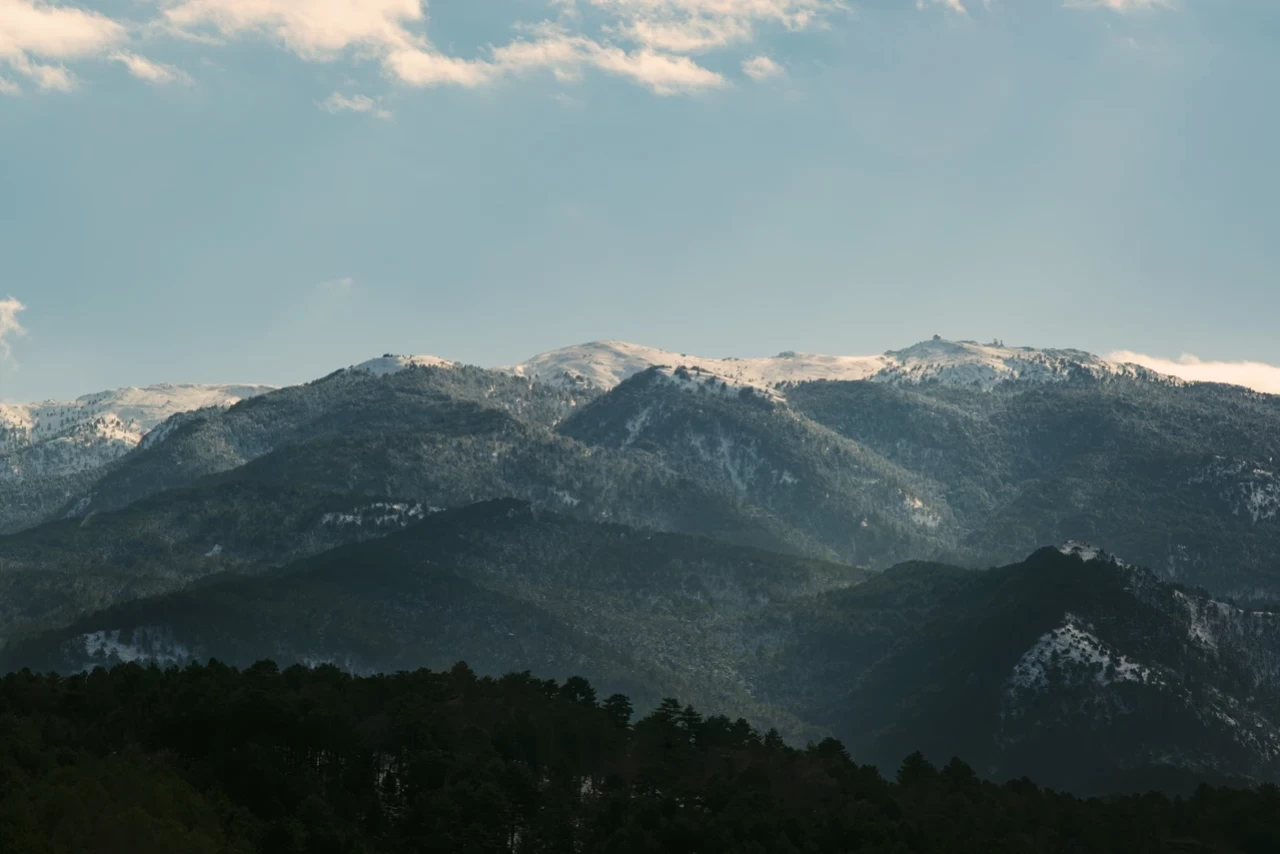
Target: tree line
{"x":209,"y":758}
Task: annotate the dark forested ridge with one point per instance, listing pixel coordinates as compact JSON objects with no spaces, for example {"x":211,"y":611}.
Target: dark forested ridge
{"x":1073,"y":668}
{"x":213,"y":759}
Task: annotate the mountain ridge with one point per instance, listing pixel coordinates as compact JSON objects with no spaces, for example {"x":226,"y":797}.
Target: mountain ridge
{"x":603,"y":365}
{"x":1070,"y":664}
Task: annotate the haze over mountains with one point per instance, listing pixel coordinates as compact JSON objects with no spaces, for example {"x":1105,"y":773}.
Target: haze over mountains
{"x":804,"y":540}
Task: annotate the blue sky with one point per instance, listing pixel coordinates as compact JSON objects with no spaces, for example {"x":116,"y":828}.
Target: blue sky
{"x":265,"y":190}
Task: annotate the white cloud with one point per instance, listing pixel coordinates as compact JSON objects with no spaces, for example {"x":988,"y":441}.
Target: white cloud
{"x":8,"y":87}
{"x":956,"y":6}
{"x":685,"y":26}
{"x":10,"y":328}
{"x":649,"y":42}
{"x":761,"y":68}
{"x":338,"y":103}
{"x":37,"y":36}
{"x":658,"y":44}
{"x":149,"y":70}
{"x":1115,"y":5}
{"x":1258,"y":376}
{"x":664,"y":73}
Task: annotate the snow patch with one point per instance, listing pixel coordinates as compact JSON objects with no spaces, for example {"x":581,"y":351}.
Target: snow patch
{"x":738,"y":462}
{"x":1084,"y":551}
{"x":919,"y":513}
{"x":565,"y":498}
{"x":635,"y":424}
{"x":79,"y":508}
{"x":379,"y":514}
{"x":1089,"y":552}
{"x":1073,"y":654}
{"x":104,"y":647}
{"x":390,"y":364}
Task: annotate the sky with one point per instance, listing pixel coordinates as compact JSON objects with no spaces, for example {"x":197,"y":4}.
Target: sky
{"x":267,"y":190}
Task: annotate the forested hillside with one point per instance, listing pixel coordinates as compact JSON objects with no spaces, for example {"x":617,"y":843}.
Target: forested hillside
{"x":212,"y":759}
{"x":1070,"y":666}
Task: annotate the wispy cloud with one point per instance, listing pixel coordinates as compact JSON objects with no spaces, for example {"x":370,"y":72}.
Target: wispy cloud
{"x":1258,"y":376}
{"x":152,"y":72}
{"x":1116,"y":5}
{"x":10,"y":328}
{"x":761,"y":68}
{"x":339,"y":103}
{"x":956,"y":6}
{"x":36,"y":37}
{"x":646,"y":41}
{"x":658,"y":44}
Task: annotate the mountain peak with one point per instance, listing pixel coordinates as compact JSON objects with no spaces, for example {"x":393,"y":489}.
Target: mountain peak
{"x":969,"y":363}
{"x":390,"y":363}
{"x":141,"y":409}
{"x":604,"y":364}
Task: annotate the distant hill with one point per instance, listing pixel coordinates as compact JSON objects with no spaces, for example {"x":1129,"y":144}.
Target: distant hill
{"x":52,"y":450}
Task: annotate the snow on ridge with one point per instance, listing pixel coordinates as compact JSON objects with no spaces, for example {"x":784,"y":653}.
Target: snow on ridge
{"x":1088,"y":552}
{"x":136,"y":410}
{"x":1072,"y":646}
{"x":700,"y":380}
{"x":968,"y":363}
{"x":391,"y":364}
{"x":604,"y":364}
{"x":1084,"y":551}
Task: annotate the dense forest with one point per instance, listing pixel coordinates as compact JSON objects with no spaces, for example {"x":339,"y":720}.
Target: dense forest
{"x":214,"y":759}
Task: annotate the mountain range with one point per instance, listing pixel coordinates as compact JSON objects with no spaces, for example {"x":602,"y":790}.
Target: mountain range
{"x":1072,"y":665}
{"x":804,"y":540}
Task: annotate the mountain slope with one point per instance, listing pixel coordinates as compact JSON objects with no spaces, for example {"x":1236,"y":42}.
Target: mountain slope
{"x":1070,"y":664}
{"x":441,"y":435}
{"x":353,"y":403}
{"x":51,"y":450}
{"x":1181,"y":478}
{"x":496,"y":584}
{"x":1086,"y":672}
{"x":859,"y":506}
{"x":56,"y":572}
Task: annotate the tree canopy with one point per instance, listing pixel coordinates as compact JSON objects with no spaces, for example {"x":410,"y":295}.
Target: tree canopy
{"x":209,"y":758}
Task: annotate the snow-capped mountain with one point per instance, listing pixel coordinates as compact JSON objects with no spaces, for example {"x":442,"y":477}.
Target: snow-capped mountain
{"x":390,"y":364}
{"x":604,"y":364}
{"x":122,"y":415}
{"x":50,"y":449}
